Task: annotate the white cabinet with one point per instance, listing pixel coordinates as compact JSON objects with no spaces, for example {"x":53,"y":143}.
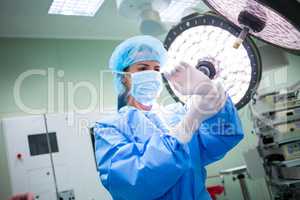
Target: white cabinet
{"x":29,"y":163}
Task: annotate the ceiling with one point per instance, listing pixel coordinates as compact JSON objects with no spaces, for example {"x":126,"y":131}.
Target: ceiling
{"x":30,"y":19}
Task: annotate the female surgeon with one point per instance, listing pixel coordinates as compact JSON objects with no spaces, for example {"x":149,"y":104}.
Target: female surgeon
{"x":143,"y":154}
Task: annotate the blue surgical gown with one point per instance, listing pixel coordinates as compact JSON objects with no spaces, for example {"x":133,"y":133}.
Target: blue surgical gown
{"x":137,"y":160}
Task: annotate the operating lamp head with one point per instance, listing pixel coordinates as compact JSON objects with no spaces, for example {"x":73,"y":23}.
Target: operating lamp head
{"x":205,"y":42}
{"x":275,"y":22}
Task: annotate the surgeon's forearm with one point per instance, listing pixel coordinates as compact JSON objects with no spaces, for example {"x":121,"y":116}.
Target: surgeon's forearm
{"x":224,"y":131}
{"x":225,"y":122}
{"x":185,"y":129}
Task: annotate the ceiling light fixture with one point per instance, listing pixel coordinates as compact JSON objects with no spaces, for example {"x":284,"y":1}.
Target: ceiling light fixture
{"x":75,"y":7}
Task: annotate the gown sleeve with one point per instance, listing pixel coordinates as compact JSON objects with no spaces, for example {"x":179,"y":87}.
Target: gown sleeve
{"x":131,"y":170}
{"x":220,"y":133}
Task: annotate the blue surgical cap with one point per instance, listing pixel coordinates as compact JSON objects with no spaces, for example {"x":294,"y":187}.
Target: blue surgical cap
{"x":133,"y":50}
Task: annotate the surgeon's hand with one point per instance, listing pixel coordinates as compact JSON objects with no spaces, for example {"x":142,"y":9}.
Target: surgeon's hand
{"x":188,"y":80}
{"x":202,"y":107}
{"x":206,"y":99}
{"x":27,"y":196}
{"x":199,"y":108}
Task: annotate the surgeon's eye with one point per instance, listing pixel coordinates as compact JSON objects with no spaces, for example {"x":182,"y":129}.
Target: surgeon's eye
{"x":143,"y":68}
{"x":157,"y":69}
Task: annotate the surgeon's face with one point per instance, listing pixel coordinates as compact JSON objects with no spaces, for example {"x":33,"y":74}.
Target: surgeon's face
{"x":138,"y":67}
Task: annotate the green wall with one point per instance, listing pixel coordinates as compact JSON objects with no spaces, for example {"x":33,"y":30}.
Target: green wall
{"x":82,"y":61}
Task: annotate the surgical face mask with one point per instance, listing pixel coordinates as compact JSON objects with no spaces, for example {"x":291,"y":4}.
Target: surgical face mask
{"x":146,"y":86}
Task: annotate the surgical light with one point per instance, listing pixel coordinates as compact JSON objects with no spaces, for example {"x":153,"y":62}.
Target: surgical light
{"x":75,"y":7}
{"x":205,"y":42}
{"x":276,"y":22}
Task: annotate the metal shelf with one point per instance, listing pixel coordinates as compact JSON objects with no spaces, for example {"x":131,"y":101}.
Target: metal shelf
{"x":283,"y":141}
{"x":287,"y":163}
{"x":284,"y":182}
{"x":235,"y":170}
{"x":279,"y":109}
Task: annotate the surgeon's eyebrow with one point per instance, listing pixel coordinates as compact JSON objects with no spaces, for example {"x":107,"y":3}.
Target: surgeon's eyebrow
{"x":156,"y":67}
{"x":143,"y":64}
